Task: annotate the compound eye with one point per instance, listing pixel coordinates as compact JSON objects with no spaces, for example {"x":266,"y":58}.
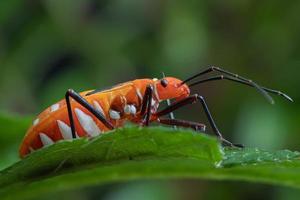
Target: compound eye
{"x":164,"y":82}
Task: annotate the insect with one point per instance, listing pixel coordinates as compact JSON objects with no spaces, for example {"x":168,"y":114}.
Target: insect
{"x":90,"y":113}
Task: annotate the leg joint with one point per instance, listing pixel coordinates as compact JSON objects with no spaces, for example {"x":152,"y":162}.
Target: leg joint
{"x":69,"y":91}
{"x":199,"y":97}
{"x":150,"y":87}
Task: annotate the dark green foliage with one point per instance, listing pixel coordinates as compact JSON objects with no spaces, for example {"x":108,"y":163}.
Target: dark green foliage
{"x":143,"y":153}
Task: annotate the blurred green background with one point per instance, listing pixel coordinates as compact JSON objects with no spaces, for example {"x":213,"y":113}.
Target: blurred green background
{"x":49,"y":46}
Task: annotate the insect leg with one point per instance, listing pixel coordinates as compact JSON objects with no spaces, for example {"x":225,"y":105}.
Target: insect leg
{"x":182,"y":123}
{"x":222,"y":77}
{"x":190,"y":100}
{"x":84,"y":103}
{"x":146,"y":105}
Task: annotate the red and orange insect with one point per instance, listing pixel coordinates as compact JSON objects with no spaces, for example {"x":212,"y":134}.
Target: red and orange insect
{"x":94,"y":112}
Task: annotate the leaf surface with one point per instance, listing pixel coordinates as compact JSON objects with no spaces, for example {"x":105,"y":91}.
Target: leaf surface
{"x":133,"y":153}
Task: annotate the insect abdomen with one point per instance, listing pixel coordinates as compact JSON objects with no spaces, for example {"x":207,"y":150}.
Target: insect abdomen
{"x":53,"y":125}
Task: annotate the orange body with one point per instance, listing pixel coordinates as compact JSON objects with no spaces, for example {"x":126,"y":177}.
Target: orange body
{"x":118,"y":104}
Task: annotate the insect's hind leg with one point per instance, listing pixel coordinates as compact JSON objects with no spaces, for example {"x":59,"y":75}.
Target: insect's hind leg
{"x":84,"y":103}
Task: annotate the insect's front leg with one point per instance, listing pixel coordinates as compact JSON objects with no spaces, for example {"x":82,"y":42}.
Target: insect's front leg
{"x":190,"y":100}
{"x":146,"y":105}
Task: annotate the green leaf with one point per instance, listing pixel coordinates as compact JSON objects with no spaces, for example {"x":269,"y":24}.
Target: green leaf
{"x":123,"y":154}
{"x":251,"y":164}
{"x":143,"y":153}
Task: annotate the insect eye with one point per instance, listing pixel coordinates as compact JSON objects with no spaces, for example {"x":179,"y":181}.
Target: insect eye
{"x":164,"y":82}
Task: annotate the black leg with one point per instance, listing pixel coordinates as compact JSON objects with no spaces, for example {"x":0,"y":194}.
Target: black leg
{"x":218,"y":69}
{"x":146,"y":105}
{"x":222,"y":77}
{"x":190,"y":100}
{"x":70,"y":114}
{"x":182,"y":123}
{"x":84,"y":103}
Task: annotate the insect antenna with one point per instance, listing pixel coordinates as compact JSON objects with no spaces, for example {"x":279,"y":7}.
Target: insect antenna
{"x":242,"y":82}
{"x":236,"y":78}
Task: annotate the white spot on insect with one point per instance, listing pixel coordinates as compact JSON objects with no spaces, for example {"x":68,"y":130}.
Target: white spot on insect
{"x":54,"y":107}
{"x":98,"y":107}
{"x":36,"y":121}
{"x":153,"y":102}
{"x":65,"y":130}
{"x":127,"y":109}
{"x":87,"y":123}
{"x":132,"y":109}
{"x":114,"y":114}
{"x":154,"y":79}
{"x":45,"y":139}
{"x":138,"y":92}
